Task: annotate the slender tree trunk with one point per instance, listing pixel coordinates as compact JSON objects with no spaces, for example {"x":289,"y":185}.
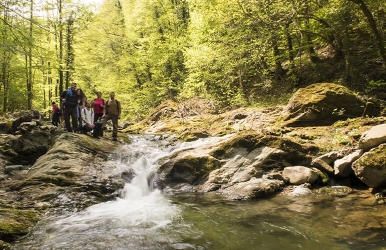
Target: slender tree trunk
{"x":70,"y":52}
{"x":61,"y":87}
{"x":5,"y":61}
{"x":49,"y":82}
{"x":291,"y":56}
{"x":313,"y":57}
{"x":279,"y":71}
{"x":4,"y":81}
{"x":347,"y":50}
{"x":45,"y":85}
{"x":289,"y":44}
{"x":29,"y":75}
{"x":373,"y":26}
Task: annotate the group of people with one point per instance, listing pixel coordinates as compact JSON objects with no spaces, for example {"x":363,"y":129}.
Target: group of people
{"x":87,"y":115}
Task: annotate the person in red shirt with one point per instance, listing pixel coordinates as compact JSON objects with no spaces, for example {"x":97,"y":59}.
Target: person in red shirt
{"x":55,"y":115}
{"x":98,"y":105}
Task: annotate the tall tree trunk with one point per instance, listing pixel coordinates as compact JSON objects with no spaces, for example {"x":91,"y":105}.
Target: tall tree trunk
{"x":289,"y":44}
{"x":61,"y":87}
{"x":70,"y":52}
{"x":4,"y":79}
{"x":29,"y":62}
{"x":313,"y":57}
{"x":347,"y":57}
{"x":279,"y":71}
{"x":373,"y":26}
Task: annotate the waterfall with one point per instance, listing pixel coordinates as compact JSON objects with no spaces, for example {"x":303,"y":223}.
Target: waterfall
{"x":141,"y":218}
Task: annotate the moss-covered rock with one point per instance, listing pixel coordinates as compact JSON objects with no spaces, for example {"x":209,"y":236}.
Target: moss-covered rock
{"x":336,"y":191}
{"x":297,"y":154}
{"x":324,"y":104}
{"x":16,"y":223}
{"x":188,"y":169}
{"x":371,"y":167}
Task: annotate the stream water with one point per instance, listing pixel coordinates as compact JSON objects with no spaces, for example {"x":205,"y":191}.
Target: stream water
{"x":144,"y":218}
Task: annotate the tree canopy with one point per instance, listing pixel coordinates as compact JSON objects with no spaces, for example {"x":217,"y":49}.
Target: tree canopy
{"x":236,"y":52}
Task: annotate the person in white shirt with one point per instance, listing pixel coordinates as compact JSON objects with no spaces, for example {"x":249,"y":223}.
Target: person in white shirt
{"x":88,"y":123}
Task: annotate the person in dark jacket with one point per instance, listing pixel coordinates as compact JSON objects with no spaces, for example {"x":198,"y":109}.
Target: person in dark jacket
{"x":70,"y":102}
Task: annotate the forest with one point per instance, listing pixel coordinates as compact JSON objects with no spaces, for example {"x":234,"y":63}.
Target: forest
{"x":235,"y":52}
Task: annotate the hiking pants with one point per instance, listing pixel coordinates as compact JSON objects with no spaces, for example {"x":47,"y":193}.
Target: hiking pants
{"x":114,"y":119}
{"x":71,"y":113}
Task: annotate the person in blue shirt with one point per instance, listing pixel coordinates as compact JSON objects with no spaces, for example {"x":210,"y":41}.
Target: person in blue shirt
{"x":70,"y":103}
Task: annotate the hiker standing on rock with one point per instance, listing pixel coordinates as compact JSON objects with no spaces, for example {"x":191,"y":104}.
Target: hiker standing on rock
{"x":70,"y":101}
{"x":112,"y":111}
{"x":55,"y":114}
{"x":81,"y":105}
{"x":98,"y":104}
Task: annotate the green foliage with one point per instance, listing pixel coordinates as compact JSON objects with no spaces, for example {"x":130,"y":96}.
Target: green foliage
{"x":376,"y":86}
{"x":239,"y":53}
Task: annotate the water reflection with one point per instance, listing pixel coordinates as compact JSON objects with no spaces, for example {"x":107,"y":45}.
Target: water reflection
{"x":275,"y":224}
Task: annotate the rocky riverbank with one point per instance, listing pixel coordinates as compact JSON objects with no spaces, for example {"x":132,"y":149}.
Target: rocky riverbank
{"x":325,"y":137}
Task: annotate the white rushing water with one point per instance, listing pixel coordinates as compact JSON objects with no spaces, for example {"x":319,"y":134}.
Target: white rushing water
{"x":141,"y":219}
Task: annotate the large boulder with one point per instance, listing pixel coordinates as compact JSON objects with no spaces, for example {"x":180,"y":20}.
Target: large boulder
{"x":324,"y":104}
{"x":188,"y":167}
{"x":246,"y":165}
{"x":10,"y":121}
{"x":236,"y":167}
{"x":70,"y":164}
{"x":69,"y":175}
{"x":25,"y":149}
{"x":371,"y":167}
{"x":373,"y":137}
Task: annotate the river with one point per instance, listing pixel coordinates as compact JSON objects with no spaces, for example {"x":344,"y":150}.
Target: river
{"x":145,"y":218}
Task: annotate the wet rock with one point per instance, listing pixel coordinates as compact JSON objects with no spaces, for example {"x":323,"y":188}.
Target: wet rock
{"x":15,"y":223}
{"x":245,"y":164}
{"x":336,"y":191}
{"x":301,"y":190}
{"x":371,"y":167}
{"x":253,"y":188}
{"x":189,"y":169}
{"x":299,"y":175}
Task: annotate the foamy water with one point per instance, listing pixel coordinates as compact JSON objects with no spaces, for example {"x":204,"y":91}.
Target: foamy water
{"x":141,"y":219}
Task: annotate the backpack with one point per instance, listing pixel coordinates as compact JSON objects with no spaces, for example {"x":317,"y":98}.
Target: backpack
{"x":69,"y":92}
{"x":84,"y":111}
{"x":118,"y":105}
{"x":59,"y":112}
